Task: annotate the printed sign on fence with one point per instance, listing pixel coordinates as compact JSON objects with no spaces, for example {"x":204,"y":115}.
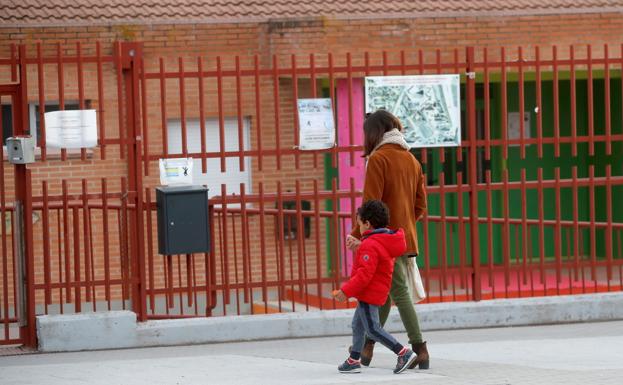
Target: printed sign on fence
{"x":176,"y":171}
{"x":71,"y":129}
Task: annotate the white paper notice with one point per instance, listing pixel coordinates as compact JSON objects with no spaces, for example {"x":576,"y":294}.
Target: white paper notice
{"x":71,"y":129}
{"x":316,"y":124}
{"x":176,"y":171}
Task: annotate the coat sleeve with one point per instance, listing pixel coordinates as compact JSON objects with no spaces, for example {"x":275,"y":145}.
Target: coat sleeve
{"x":420,"y":194}
{"x":368,"y":261}
{"x":373,"y":185}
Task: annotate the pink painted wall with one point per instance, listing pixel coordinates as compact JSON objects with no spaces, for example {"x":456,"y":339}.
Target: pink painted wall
{"x":349,"y":167}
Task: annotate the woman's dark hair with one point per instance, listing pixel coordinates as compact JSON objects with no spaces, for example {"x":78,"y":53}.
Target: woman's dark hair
{"x":374,"y":211}
{"x":375,"y":126}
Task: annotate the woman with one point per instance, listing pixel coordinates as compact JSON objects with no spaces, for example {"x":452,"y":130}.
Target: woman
{"x":394,"y":176}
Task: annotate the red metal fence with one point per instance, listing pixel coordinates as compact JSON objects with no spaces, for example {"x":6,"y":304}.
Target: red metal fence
{"x":526,"y":206}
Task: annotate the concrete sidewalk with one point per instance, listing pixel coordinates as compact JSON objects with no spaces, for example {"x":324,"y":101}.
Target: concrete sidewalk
{"x":587,"y":353}
{"x":119,"y":329}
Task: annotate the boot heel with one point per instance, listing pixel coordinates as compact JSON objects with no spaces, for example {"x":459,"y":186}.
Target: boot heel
{"x":424,"y":365}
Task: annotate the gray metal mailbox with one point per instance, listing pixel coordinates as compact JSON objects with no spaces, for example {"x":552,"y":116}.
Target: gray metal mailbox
{"x":183,"y":223}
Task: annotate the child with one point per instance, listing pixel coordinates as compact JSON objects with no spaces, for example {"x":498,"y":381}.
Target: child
{"x":370,"y":281}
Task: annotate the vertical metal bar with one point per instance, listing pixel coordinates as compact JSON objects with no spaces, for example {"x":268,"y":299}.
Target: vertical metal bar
{"x":281,"y":273}
{"x":179,"y":281}
{"x":100,"y":102}
{"x":163,"y":109}
{"x":461,"y":221}
{"x":77,"y":280}
{"x":263,"y":245}
{"x":144,"y":119}
{"x":47,"y":269}
{"x":120,"y":109}
{"x":423,"y":151}
{"x":87,"y":248}
{"x":351,"y":131}
{"x":524,"y":225}
{"x":609,"y":249}
{"x":487,"y":123}
{"x":189,"y":279}
{"x":3,"y":235}
{"x":593,"y":228}
{"x":123,"y":241}
{"x":276,"y":101}
{"x":558,"y":231}
{"x":41,"y":85}
{"x":539,"y":102}
{"x":335,"y":241}
{"x":225,"y":258}
{"x":314,"y":92}
{"x":258,"y":112}
{"x":61,"y":89}
{"x":473,"y":174}
{"x":506,"y":228}
{"x":83,"y":153}
{"x":150,"y":252}
{"x":211,"y":265}
{"x":300,"y":236}
{"x":504,"y":107}
{"x":66,"y":233}
{"x":180,"y":65}
{"x":522,"y":106}
{"x":246,"y":258}
{"x":106,"y":243}
{"x":591,"y":121}
{"x":295,"y":95}
{"x":194,"y":281}
{"x":332,"y":95}
{"x":239,"y":113}
{"x":576,"y":225}
{"x":607,"y":101}
{"x":202,"y":116}
{"x":556,"y":102}
{"x":221,"y":113}
{"x":319,"y":291}
{"x":236,"y":278}
{"x":443,"y":222}
{"x":574,"y":127}
{"x":541,"y":225}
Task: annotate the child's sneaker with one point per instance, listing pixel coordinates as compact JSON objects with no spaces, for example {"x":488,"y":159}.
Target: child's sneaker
{"x":405,"y":361}
{"x":350,"y":366}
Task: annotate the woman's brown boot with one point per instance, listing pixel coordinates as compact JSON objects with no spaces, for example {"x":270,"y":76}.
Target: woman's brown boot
{"x":366,"y":352}
{"x":422,"y":356}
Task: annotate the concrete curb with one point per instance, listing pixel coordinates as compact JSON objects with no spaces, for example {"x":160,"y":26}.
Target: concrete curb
{"x":119,"y":329}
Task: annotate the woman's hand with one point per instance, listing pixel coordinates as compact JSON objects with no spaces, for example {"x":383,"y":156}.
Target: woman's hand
{"x":339,"y":295}
{"x":352,"y":243}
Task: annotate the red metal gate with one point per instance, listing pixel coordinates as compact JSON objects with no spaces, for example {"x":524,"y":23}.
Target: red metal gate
{"x":525,"y":212}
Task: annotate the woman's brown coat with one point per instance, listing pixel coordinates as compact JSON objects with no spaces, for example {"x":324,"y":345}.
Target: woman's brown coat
{"x":394,"y":176}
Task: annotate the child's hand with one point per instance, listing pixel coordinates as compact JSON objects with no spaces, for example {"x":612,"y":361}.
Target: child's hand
{"x":339,"y":295}
{"x":352,"y":243}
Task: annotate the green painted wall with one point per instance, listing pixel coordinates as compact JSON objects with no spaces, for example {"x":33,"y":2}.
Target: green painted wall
{"x":531,"y":163}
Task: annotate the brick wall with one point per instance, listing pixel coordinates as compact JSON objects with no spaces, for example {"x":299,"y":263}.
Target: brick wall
{"x":317,"y":36}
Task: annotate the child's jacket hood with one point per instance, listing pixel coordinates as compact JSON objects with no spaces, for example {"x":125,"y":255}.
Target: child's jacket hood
{"x":393,"y":241}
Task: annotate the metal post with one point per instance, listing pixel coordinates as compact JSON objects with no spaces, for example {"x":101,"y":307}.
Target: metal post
{"x":473,"y":177}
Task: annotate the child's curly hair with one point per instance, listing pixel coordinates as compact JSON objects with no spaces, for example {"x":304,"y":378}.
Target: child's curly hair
{"x":374,"y":211}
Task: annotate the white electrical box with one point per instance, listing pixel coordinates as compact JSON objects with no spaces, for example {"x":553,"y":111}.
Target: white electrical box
{"x":20,"y":149}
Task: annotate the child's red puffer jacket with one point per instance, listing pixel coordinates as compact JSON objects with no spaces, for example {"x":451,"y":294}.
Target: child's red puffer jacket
{"x":373,"y":265}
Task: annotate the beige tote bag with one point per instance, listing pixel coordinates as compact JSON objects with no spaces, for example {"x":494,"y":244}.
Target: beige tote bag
{"x":414,"y":280}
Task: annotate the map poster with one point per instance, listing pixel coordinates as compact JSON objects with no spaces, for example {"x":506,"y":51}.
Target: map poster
{"x":316,"y":124}
{"x":428,"y":106}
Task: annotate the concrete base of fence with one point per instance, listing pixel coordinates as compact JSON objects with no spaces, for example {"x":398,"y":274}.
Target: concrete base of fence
{"x":119,"y":329}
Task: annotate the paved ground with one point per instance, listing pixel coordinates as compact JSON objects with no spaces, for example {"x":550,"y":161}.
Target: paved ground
{"x":589,"y":353}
